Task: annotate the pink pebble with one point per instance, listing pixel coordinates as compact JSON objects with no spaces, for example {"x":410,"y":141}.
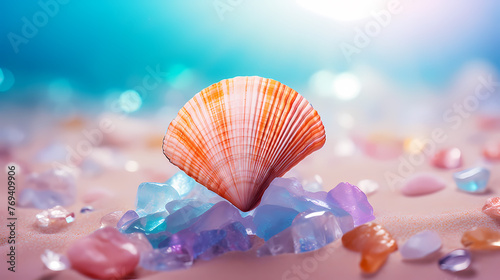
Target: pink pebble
{"x":422,"y":184}
{"x":105,"y":254}
{"x":491,"y":151}
{"x":492,"y":207}
{"x":447,"y":158}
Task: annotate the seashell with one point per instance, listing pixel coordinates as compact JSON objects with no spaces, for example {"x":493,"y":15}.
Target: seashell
{"x":237,"y":135}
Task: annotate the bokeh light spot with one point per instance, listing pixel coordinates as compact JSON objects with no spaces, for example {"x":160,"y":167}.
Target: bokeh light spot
{"x":6,"y":79}
{"x":346,"y":86}
{"x":130,"y":101}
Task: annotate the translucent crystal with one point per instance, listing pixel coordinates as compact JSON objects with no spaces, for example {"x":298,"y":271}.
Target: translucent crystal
{"x":289,"y":193}
{"x":169,"y":258}
{"x":309,"y":231}
{"x":152,"y":197}
{"x":111,"y":219}
{"x":272,"y":219}
{"x":351,"y":199}
{"x":474,"y":180}
{"x":127,"y":218}
{"x":455,"y":261}
{"x":181,"y":182}
{"x":54,"y":261}
{"x":54,"y":218}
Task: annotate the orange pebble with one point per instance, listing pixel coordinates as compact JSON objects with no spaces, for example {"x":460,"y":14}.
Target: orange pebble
{"x":374,"y":242}
{"x":481,"y":239}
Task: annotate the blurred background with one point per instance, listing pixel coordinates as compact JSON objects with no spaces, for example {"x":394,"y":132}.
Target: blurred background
{"x":381,"y":70}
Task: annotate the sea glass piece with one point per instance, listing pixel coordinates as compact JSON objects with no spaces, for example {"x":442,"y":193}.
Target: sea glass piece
{"x":181,"y":182}
{"x":353,"y":201}
{"x":152,"y":197}
{"x":473,"y":180}
{"x":111,"y":219}
{"x":54,"y":218}
{"x":309,"y":231}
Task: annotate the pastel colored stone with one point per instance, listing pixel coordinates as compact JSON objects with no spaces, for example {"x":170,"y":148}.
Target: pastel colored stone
{"x":127,"y":219}
{"x":211,"y":243}
{"x":111,"y":219}
{"x":420,"y":245}
{"x":218,"y":215}
{"x":86,"y":209}
{"x":140,"y":242}
{"x":281,"y":243}
{"x":152,"y":197}
{"x":104,"y":254}
{"x":368,"y":186}
{"x":54,"y":218}
{"x":309,"y":231}
{"x":237,"y":238}
{"x":152,"y":223}
{"x":181,"y":182}
{"x":186,"y":216}
{"x":272,"y":219}
{"x":422,"y":184}
{"x":491,"y":151}
{"x":184,"y":238}
{"x":49,"y":189}
{"x":455,"y":261}
{"x":165,"y":259}
{"x":353,"y":201}
{"x":313,"y":230}
{"x":54,"y":261}
{"x":288,"y":193}
{"x":448,"y":158}
{"x":492,"y":207}
{"x":205,"y":246}
{"x":473,"y":180}
{"x":374,"y":242}
{"x":481,"y":239}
